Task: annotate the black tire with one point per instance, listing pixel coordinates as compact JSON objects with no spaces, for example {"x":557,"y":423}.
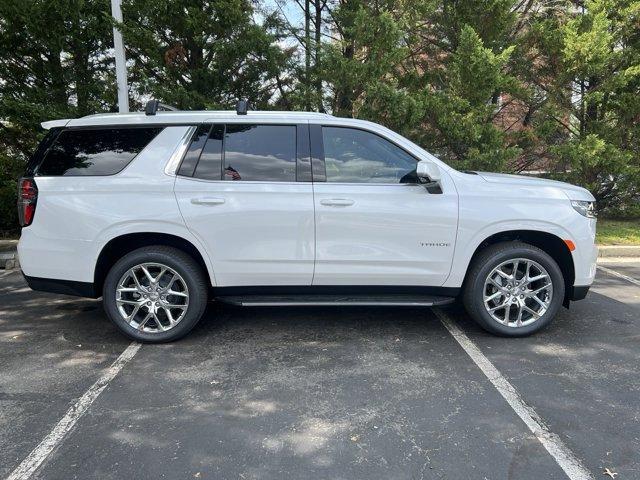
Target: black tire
{"x":481,"y":267}
{"x":179,"y":261}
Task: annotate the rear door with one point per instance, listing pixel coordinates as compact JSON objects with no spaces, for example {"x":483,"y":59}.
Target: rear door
{"x":244,"y":189}
{"x":376,"y":224}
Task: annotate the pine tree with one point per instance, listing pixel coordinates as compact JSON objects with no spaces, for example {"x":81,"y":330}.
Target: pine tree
{"x":197,"y":54}
{"x":421,"y":69}
{"x":600,"y":90}
{"x":53,"y":65}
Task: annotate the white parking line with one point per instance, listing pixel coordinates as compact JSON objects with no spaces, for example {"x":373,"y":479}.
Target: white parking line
{"x":619,"y":275}
{"x":30,"y":464}
{"x":567,"y":460}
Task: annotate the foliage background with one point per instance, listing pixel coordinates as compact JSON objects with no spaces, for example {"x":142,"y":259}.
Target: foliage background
{"x":544,"y":86}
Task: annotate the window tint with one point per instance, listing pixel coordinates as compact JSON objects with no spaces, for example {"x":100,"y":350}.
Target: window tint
{"x":95,"y":152}
{"x":356,"y":156}
{"x":260,"y":152}
{"x":210,"y":164}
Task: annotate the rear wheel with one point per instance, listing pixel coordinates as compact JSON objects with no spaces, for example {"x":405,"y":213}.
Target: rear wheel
{"x":155,"y":294}
{"x":513,"y":289}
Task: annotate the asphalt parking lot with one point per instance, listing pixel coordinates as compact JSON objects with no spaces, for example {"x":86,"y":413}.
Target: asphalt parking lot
{"x":272,"y":393}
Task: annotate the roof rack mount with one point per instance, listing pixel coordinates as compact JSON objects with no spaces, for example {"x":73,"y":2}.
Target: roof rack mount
{"x":242,"y":106}
{"x":153,"y":106}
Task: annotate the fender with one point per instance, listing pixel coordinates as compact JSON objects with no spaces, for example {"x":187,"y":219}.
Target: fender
{"x":168,"y":228}
{"x":468,"y":242}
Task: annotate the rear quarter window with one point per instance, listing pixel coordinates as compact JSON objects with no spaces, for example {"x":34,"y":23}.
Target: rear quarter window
{"x":36,"y":158}
{"x":85,"y":152}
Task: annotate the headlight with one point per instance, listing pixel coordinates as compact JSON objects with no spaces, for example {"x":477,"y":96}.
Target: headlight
{"x":588,"y":209}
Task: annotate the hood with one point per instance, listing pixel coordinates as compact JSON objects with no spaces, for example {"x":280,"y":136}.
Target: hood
{"x":573,"y":192}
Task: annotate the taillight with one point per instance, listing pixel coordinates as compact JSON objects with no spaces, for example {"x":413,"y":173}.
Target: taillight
{"x":27,"y":199}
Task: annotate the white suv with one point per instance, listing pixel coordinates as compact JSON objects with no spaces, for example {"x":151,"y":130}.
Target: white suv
{"x":158,"y":212}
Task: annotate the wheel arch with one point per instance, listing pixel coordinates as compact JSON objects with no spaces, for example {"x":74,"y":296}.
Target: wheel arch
{"x":118,"y":246}
{"x":551,"y":244}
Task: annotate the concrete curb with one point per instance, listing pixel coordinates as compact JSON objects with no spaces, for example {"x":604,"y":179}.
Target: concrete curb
{"x":8,"y":254}
{"x":7,"y":245}
{"x":9,"y":260}
{"x":618,"y":251}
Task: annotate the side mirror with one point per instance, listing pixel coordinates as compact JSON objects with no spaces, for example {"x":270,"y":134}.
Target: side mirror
{"x":428,"y":170}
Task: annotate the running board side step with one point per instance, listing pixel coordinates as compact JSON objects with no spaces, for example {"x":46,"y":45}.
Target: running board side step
{"x":399,"y":300}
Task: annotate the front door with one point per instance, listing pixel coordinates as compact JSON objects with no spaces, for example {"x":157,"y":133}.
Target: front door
{"x":238,"y":192}
{"x":375,"y":223}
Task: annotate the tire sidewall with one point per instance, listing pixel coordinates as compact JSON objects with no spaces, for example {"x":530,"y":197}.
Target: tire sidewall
{"x":192,"y":277}
{"x":517,"y":252}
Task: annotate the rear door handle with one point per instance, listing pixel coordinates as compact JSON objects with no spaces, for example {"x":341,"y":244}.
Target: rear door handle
{"x":337,"y":202}
{"x":207,"y":201}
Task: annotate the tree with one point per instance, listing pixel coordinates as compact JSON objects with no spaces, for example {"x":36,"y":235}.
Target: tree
{"x":359,"y":69}
{"x":53,"y":65}
{"x":392,"y":64}
{"x":199,"y":54}
{"x":302,"y":22}
{"x":462,"y":109}
{"x":600,"y":90}
{"x":503,"y":85}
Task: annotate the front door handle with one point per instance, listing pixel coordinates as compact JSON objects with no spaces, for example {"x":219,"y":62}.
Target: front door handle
{"x":207,"y":201}
{"x":337,"y":202}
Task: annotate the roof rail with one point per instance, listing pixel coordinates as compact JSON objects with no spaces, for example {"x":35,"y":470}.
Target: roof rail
{"x":153,"y":106}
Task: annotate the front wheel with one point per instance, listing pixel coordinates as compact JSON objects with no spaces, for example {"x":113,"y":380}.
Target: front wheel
{"x":513,"y":289}
{"x":155,"y":294}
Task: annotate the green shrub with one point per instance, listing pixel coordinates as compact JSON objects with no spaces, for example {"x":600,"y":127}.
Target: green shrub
{"x":10,"y":170}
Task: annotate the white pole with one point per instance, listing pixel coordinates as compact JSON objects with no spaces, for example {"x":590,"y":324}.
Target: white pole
{"x":121,"y":61}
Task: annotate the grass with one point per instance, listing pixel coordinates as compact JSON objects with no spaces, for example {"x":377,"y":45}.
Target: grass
{"x":618,"y":232}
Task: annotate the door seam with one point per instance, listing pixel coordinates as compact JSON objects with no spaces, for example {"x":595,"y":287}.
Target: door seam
{"x":315,"y":234}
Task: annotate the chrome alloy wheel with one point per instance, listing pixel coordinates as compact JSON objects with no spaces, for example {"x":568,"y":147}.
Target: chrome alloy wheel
{"x":517,"y":292}
{"x":152,"y":297}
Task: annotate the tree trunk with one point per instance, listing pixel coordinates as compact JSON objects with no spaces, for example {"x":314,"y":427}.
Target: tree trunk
{"x":591,"y":110}
{"x":80,"y":55}
{"x":318,"y":32}
{"x":59,"y":91}
{"x":344,"y":96}
{"x":307,"y":54}
{"x":80,"y":70}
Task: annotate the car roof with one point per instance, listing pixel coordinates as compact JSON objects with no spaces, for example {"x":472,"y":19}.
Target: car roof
{"x":231,"y":116}
{"x":185,"y":117}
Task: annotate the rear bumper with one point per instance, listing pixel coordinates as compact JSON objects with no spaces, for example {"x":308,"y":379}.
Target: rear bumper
{"x":66,"y":287}
{"x":57,"y":258}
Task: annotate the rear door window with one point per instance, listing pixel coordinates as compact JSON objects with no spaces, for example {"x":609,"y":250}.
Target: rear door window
{"x":85,"y":152}
{"x":259,"y":153}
